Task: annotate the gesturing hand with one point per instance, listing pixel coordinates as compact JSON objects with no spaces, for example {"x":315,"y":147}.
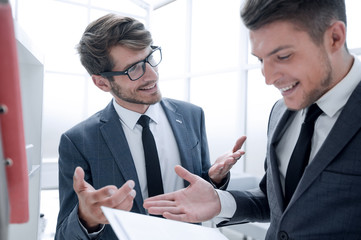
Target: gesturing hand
{"x":196,"y":203}
{"x":90,"y":200}
{"x":225,"y":162}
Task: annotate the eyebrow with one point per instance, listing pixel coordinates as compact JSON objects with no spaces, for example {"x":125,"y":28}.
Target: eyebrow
{"x":129,"y":65}
{"x":276,"y":50}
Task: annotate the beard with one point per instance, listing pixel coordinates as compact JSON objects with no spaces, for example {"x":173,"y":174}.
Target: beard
{"x":325,"y":84}
{"x":117,"y":90}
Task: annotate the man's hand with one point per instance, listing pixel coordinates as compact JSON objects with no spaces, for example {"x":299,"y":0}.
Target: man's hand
{"x":90,"y":200}
{"x":196,"y":203}
{"x":224,"y":163}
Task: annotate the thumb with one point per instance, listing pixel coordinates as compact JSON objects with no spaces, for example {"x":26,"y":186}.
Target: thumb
{"x":185,"y":174}
{"x":79,"y":184}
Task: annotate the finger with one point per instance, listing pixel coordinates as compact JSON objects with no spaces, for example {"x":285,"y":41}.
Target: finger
{"x":103,"y":194}
{"x":228,"y":163}
{"x":163,"y":197}
{"x":79,"y":184}
{"x":186,"y":175}
{"x":122,"y":192}
{"x":160,"y":203}
{"x":122,"y":196}
{"x":237,"y":155}
{"x":127,"y":203}
{"x":239,"y":143}
{"x":177,"y":217}
{"x":162,"y":210}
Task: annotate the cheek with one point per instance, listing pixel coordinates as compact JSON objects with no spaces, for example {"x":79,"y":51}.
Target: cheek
{"x":318,"y":77}
{"x":125,"y":84}
{"x":310,"y":74}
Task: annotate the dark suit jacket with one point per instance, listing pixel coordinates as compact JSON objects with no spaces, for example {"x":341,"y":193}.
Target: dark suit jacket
{"x":327,"y":203}
{"x":99,"y":146}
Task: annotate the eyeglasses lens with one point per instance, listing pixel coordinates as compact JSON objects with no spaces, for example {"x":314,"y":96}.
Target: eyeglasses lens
{"x":138,"y":69}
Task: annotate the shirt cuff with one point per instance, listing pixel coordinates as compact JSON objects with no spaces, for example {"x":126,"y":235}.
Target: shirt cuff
{"x":224,"y":183}
{"x":228,"y":206}
{"x":94,"y":234}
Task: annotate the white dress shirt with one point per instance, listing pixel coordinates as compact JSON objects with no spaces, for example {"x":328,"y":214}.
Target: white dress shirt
{"x":167,"y":147}
{"x":331,"y":104}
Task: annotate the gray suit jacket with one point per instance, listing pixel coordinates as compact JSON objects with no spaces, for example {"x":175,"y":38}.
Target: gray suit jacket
{"x":327,"y":202}
{"x":99,"y":146}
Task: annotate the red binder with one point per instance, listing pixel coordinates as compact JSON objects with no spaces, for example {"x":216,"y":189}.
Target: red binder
{"x":12,"y":127}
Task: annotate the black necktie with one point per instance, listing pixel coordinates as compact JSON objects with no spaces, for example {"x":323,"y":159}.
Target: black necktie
{"x":301,"y":153}
{"x":154,"y":176}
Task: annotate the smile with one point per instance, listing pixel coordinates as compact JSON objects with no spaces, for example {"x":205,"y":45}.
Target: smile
{"x":288,"y":87}
{"x":149,"y":87}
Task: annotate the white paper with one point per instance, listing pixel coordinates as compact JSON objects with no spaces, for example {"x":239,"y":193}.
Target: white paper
{"x":134,"y":226}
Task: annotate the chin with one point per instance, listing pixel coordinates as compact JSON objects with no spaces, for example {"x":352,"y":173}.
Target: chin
{"x":157,"y":98}
{"x":153,"y":100}
{"x":294,"y":106}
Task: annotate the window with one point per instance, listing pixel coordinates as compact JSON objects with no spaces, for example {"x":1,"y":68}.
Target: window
{"x":206,"y":61}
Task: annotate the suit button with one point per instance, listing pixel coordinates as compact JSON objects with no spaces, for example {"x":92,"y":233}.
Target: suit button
{"x":282,"y":235}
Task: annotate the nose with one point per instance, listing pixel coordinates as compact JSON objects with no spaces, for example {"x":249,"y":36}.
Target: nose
{"x":150,"y":73}
{"x":270,"y":73}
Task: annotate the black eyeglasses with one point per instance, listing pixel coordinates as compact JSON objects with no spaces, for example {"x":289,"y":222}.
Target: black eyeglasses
{"x":137,"y":70}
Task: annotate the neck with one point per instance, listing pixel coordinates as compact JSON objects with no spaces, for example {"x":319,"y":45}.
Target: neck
{"x":341,"y":65}
{"x":135,"y":107}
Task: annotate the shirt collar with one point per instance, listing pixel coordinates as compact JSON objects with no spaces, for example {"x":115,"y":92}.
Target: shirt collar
{"x":130,"y":118}
{"x":336,"y":98}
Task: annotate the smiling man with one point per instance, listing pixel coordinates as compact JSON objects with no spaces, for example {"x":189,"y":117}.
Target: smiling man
{"x":311,"y":187}
{"x":103,"y":160}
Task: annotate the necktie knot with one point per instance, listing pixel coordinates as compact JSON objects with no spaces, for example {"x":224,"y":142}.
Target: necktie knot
{"x":144,"y":121}
{"x":314,"y":111}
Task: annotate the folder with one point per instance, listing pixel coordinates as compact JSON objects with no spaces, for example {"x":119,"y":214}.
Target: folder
{"x":135,"y":226}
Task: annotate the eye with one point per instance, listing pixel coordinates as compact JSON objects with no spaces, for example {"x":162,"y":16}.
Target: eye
{"x":135,"y":67}
{"x":260,"y":60}
{"x":132,"y":68}
{"x":284,"y":57}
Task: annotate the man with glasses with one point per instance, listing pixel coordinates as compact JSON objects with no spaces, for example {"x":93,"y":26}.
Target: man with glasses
{"x":101,"y":160}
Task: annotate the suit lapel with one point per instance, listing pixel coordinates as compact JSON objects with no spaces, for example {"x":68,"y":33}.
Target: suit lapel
{"x":346,"y":126}
{"x":176,"y":122}
{"x":115,"y":139}
{"x":276,"y":136}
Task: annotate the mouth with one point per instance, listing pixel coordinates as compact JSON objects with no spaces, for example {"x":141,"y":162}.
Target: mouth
{"x":149,"y":87}
{"x":288,"y":88}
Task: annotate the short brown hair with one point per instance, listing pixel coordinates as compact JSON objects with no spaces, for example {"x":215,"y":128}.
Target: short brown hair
{"x":106,"y":32}
{"x":312,"y":16}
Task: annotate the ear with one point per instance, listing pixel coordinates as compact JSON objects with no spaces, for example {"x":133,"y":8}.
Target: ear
{"x":101,"y":83}
{"x":336,"y":36}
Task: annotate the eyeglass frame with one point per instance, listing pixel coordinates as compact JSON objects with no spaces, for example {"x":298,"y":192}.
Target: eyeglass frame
{"x":125,"y":72}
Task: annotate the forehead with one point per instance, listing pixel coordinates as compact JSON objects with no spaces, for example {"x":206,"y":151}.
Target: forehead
{"x":279,"y":34}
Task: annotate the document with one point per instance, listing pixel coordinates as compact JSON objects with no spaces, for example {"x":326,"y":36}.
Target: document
{"x":134,"y":226}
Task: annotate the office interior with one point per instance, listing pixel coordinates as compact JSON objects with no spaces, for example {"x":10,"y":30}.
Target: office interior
{"x":206,"y":61}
